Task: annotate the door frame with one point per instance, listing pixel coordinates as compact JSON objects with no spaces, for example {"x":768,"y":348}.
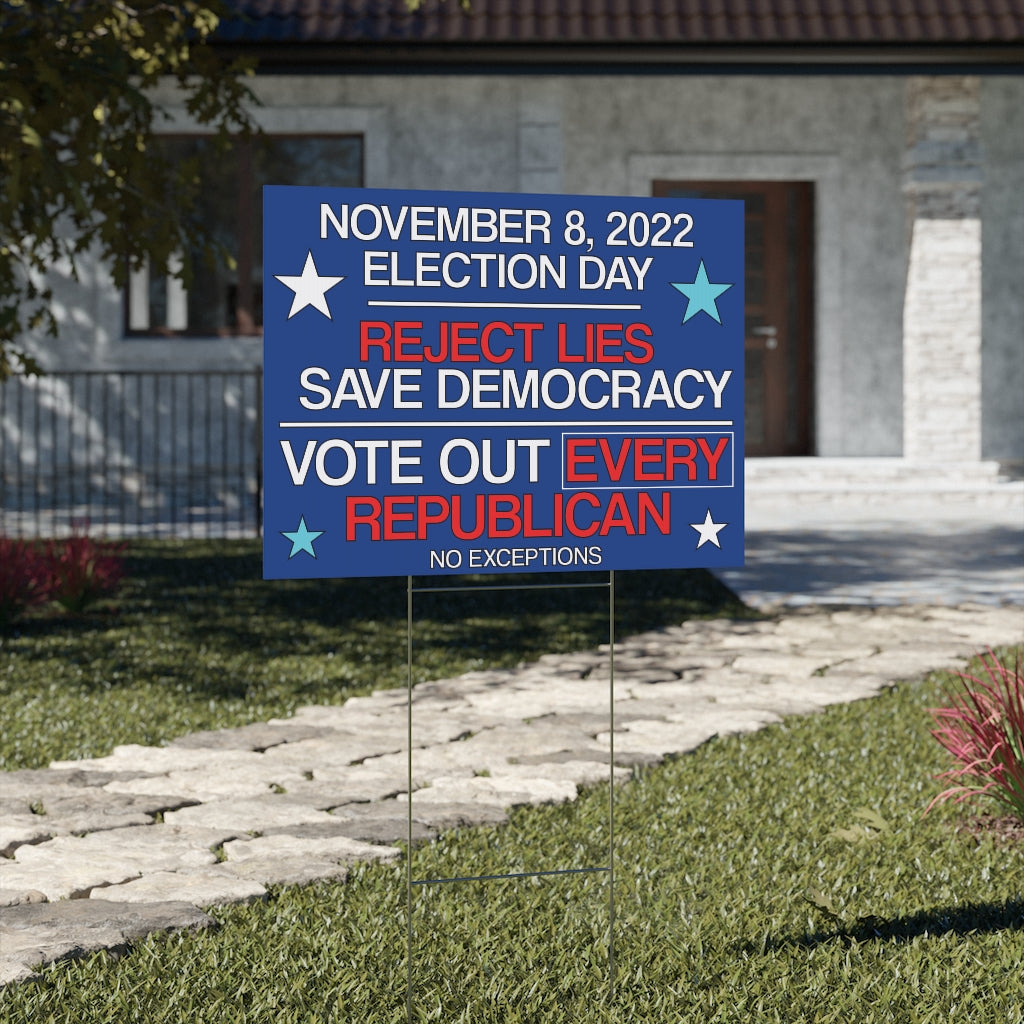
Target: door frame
{"x":788,"y":371}
{"x":825,"y":170}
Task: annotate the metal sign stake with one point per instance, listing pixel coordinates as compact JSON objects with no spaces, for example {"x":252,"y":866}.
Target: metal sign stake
{"x":408,"y":855}
{"x":611,"y":786}
{"x":609,"y":869}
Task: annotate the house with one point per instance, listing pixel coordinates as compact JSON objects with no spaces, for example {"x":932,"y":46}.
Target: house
{"x":878,"y":145}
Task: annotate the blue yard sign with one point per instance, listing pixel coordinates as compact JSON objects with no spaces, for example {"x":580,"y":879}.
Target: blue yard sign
{"x":476,"y":382}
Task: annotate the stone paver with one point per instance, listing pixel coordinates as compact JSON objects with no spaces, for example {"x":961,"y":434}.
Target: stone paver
{"x":21,"y":830}
{"x":39,"y":933}
{"x":219,"y":816}
{"x":69,"y":867}
{"x":337,"y":849}
{"x":286,"y":870}
{"x":249,"y":815}
{"x":207,"y":887}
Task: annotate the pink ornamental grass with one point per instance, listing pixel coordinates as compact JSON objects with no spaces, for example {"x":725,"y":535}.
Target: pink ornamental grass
{"x":83,"y":570}
{"x":26,"y":578}
{"x":983,"y":728}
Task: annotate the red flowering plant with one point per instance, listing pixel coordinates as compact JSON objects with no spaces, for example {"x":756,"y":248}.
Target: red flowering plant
{"x":983,"y":728}
{"x":83,"y":570}
{"x":25,"y":578}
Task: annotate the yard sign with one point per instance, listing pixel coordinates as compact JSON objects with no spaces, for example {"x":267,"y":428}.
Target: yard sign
{"x":478,"y":382}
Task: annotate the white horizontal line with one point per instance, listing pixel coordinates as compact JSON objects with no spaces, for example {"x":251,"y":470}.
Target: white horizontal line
{"x":573,"y":428}
{"x":510,"y":305}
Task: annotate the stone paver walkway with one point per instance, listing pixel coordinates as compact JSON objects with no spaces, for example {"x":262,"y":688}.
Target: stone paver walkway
{"x":88,"y":863}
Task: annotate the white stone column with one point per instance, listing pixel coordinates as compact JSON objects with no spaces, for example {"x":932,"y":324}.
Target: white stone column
{"x":942,"y":303}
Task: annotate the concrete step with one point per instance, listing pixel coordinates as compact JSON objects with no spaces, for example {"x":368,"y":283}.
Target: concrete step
{"x":829,"y":491}
{"x":866,"y":473}
{"x":1008,"y":495}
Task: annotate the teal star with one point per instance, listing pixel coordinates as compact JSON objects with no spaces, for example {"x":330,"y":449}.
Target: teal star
{"x":701,"y":295}
{"x":302,"y":538}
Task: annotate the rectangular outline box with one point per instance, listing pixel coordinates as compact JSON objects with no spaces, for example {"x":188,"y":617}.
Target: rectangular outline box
{"x":663,"y":487}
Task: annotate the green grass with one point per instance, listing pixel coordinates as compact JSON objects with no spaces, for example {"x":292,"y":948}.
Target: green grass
{"x":196,"y":640}
{"x":724,"y":861}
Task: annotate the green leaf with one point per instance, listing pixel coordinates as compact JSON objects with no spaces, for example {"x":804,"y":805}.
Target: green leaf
{"x":822,"y":901}
{"x":76,"y":131}
{"x":872,"y":819}
{"x":851,"y":835}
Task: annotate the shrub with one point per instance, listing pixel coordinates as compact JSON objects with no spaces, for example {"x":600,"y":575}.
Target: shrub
{"x":83,"y":570}
{"x":983,"y":728}
{"x":25,"y":578}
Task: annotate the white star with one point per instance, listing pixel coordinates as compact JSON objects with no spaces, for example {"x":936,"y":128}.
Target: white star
{"x":708,"y":530}
{"x":310,"y":289}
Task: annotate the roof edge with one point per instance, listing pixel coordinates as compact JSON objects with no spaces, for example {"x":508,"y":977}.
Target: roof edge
{"x":589,"y":57}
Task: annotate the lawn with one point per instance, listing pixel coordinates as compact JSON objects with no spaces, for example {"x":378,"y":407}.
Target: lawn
{"x":195,"y":639}
{"x":786,"y":875}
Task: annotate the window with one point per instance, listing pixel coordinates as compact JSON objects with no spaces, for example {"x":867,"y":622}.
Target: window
{"x":225,"y":302}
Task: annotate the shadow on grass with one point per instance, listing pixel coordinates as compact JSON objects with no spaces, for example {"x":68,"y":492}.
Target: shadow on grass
{"x":186,"y":604}
{"x":967,"y":919}
{"x":203,"y":573}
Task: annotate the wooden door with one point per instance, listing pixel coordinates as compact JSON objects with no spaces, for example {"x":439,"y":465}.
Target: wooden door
{"x":778,"y":226}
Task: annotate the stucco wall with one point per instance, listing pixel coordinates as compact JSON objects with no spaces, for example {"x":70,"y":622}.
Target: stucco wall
{"x":1002,"y":274}
{"x":611,"y":135}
